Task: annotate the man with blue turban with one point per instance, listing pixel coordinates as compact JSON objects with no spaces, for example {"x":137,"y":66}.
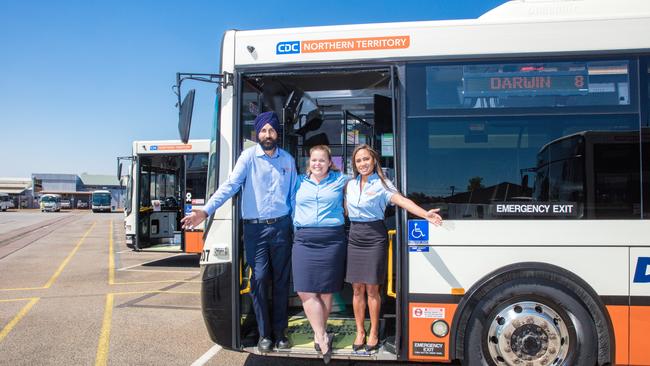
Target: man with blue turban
{"x":266,"y":175}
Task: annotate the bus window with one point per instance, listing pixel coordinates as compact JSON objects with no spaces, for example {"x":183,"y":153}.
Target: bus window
{"x":519,"y":85}
{"x":196,"y":176}
{"x":475,"y":167}
{"x":645,"y":148}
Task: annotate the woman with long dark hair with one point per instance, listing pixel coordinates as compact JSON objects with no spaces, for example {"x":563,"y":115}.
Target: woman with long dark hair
{"x":367,"y":196}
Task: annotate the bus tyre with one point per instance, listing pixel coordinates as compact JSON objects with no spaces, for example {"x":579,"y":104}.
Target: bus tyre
{"x":530,"y":322}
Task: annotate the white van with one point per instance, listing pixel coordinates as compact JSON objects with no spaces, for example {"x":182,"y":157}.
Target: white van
{"x":51,"y":202}
{"x":5,"y":202}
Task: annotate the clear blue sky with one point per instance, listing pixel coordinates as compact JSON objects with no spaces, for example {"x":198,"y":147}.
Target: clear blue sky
{"x":82,"y":79}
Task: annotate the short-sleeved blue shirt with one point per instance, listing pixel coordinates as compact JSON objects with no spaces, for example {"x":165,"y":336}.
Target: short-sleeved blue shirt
{"x":369,"y":204}
{"x":319,"y":205}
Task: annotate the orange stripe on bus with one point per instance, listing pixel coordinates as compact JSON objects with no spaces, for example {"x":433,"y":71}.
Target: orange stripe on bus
{"x":355,"y":44}
{"x":174,"y":147}
{"x":620,"y":315}
{"x":639,"y":335}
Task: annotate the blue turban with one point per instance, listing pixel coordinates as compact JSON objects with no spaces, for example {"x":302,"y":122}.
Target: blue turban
{"x":267,"y":117}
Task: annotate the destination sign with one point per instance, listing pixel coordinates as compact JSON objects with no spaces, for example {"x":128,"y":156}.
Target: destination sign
{"x":550,"y":209}
{"x":525,"y":83}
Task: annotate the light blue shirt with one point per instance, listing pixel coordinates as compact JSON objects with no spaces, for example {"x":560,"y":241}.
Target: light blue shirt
{"x":369,"y":204}
{"x":319,"y":204}
{"x":267,"y":184}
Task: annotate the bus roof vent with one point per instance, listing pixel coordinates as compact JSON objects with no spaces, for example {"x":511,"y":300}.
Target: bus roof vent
{"x":567,"y":9}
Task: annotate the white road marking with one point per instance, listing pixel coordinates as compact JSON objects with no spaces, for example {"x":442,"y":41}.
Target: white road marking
{"x":207,"y":356}
{"x":147,"y":262}
{"x":162,"y":270}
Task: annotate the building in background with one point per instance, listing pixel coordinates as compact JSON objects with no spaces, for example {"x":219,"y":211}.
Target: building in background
{"x":69,"y":186}
{"x":19,"y":190}
{"x":75,"y":190}
{"x":93,"y":182}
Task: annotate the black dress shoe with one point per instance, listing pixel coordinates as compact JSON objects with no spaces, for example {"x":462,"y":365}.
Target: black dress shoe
{"x":282,"y":342}
{"x":358,"y":347}
{"x":265,"y":344}
{"x":327,"y":356}
{"x":374,"y":347}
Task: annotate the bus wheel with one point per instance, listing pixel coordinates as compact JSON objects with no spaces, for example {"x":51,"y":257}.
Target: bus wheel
{"x":526,"y":323}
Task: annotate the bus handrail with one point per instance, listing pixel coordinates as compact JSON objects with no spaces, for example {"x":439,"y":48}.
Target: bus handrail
{"x":247,"y":289}
{"x":390,"y":291}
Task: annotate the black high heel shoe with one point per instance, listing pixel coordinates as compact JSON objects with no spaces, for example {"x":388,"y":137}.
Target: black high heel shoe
{"x":327,"y":356}
{"x":359,"y":347}
{"x":374,"y":347}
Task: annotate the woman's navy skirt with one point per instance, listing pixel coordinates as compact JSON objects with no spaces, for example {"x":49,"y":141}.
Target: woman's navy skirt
{"x":318,"y":259}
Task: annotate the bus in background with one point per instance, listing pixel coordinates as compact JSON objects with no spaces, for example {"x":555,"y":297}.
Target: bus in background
{"x":166,"y":179}
{"x":5,"y":202}
{"x":524,"y":126}
{"x":598,"y":170}
{"x":101,"y":201}
{"x":50,"y":202}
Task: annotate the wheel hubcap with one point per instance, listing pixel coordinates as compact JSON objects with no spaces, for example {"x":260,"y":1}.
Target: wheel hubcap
{"x":528,"y":333}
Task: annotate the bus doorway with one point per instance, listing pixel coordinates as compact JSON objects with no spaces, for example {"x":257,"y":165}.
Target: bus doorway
{"x":341,"y":109}
{"x":167,"y":179}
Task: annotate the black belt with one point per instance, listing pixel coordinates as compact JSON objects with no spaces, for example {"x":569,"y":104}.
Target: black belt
{"x":265,"y":221}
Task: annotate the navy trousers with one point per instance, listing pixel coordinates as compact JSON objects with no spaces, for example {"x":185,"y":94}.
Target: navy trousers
{"x":268,"y":252}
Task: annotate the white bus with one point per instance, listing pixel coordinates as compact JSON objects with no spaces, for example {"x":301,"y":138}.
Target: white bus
{"x":101,"y":200}
{"x":506,"y":123}
{"x":166,"y":179}
{"x":5,"y":202}
{"x":50,"y":202}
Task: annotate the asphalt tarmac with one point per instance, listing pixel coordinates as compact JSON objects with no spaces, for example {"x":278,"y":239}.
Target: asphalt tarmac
{"x":72,"y":293}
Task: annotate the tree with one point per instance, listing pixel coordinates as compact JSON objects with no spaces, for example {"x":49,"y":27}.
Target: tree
{"x":474,"y":184}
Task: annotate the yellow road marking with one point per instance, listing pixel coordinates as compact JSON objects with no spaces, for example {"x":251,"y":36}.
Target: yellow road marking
{"x":14,"y":300}
{"x":21,"y":314}
{"x":59,"y":270}
{"x":105,"y":336}
{"x":67,"y":259}
{"x":22,"y":288}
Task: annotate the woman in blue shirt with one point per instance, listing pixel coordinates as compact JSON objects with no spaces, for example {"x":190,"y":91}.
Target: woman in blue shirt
{"x":319,"y":247}
{"x":367,"y":196}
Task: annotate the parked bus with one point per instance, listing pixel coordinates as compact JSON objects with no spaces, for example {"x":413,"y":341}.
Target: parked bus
{"x":544,"y":254}
{"x":5,"y":202}
{"x":101,"y":201}
{"x":50,"y":202}
{"x":166,"y":179}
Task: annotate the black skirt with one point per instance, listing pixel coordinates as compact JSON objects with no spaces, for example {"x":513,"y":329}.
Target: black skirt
{"x":318,"y":259}
{"x":367,"y":250}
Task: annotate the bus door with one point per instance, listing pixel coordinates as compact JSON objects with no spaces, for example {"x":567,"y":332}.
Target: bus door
{"x":193,"y":186}
{"x":159,"y":202}
{"x":341,"y":108}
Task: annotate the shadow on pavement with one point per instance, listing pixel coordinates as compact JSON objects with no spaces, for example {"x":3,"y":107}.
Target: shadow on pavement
{"x":184,"y":261}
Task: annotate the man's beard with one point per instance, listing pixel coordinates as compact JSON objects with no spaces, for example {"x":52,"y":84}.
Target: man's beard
{"x":268,"y":144}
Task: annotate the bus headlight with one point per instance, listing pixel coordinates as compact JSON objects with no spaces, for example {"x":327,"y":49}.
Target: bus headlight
{"x":440,"y":328}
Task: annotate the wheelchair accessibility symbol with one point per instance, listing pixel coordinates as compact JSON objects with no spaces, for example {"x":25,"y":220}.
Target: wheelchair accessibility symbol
{"x":418,"y":231}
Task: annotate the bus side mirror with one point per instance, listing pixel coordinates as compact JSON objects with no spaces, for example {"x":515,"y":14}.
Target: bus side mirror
{"x":119,"y":172}
{"x":185,"y":116}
